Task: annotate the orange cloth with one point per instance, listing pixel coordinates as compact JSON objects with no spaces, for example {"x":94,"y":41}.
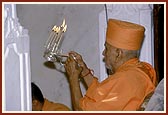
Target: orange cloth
{"x":50,"y":106}
{"x":123,"y":91}
{"x":124,"y":35}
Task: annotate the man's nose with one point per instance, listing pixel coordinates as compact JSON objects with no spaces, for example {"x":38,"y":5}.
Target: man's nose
{"x":103,"y":53}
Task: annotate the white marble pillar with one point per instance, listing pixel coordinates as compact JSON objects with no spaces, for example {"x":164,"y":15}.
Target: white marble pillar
{"x":16,"y":63}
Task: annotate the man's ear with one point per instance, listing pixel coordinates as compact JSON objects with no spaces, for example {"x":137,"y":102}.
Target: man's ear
{"x":118,"y":55}
{"x":34,"y":102}
{"x":119,"y":52}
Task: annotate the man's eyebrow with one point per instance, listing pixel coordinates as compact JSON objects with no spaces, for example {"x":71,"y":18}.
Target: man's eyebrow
{"x":104,"y":44}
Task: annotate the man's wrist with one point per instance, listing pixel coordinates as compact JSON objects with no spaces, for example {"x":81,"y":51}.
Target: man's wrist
{"x":86,"y":72}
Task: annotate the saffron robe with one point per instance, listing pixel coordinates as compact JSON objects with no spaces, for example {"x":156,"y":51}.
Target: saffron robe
{"x":50,"y":106}
{"x":123,"y":91}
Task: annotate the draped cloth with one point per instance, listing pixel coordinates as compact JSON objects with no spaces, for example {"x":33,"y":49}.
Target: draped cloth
{"x":156,"y":102}
{"x":123,"y":91}
{"x":50,"y":106}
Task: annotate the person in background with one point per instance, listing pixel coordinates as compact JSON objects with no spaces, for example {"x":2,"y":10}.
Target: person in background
{"x":39,"y":103}
{"x":156,"y":102}
{"x":130,"y":81}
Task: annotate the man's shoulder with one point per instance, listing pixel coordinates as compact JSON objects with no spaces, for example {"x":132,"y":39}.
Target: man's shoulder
{"x":52,"y":106}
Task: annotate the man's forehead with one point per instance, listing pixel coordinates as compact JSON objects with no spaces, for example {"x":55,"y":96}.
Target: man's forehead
{"x":106,"y":44}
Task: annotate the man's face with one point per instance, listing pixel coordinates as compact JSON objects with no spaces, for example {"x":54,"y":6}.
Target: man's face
{"x":36,"y":106}
{"x":33,"y":108}
{"x":109,"y":54}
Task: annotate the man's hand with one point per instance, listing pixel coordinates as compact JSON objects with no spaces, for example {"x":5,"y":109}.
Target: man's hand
{"x":78,"y":58}
{"x":72,"y":67}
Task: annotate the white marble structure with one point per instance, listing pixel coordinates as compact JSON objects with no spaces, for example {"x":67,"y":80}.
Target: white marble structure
{"x":16,"y":63}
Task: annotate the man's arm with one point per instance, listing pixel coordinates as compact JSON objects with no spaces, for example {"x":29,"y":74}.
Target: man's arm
{"x":73,"y":71}
{"x":75,"y":93}
{"x":87,"y":75}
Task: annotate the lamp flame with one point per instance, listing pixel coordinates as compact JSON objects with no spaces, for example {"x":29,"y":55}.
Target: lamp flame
{"x":53,"y":52}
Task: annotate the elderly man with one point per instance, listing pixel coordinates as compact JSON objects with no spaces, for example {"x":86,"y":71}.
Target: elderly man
{"x":131,"y":80}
